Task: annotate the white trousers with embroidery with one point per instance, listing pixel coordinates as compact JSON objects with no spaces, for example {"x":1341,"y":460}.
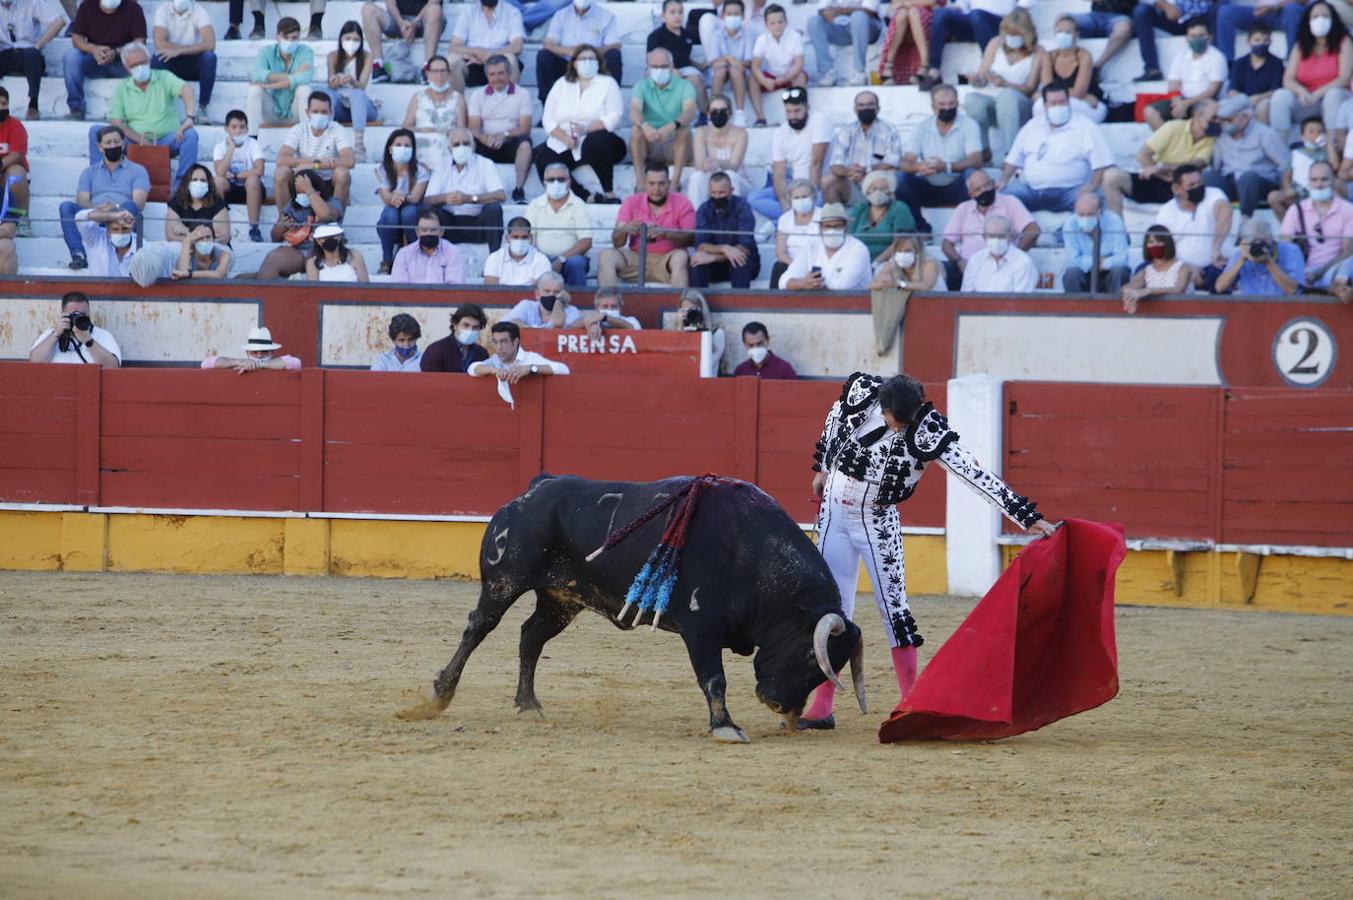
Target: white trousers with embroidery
{"x":851,"y":528}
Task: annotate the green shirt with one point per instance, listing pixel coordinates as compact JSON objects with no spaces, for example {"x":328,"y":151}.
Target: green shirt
{"x":269,"y":60}
{"x":662,"y":106}
{"x":152,"y":109}
{"x":897,"y":220}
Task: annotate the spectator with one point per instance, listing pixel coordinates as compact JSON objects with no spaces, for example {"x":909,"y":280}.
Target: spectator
{"x":797,"y":150}
{"x":431,"y":259}
{"x":281,"y":73}
{"x":693,"y":315}
{"x":834,"y":262}
{"x":200,"y":255}
{"x":1058,"y":156}
{"x":672,"y":36}
{"x":114,"y":183}
{"x":75,"y":338}
{"x":1201,"y":216}
{"x":661,"y":111}
{"x":797,"y":229}
{"x":864,"y":146}
{"x":437,"y":108}
{"x":401,"y":182}
{"x":312,"y":204}
{"x":1110,"y":19}
{"x":349,"y":74}
{"x":236,"y":19}
{"x":1268,"y":14}
{"x":510,"y":363}
{"x":406,"y":20}
{"x":761,"y":361}
{"x":606,"y":314}
{"x":332,"y":260}
{"x":404,"y":355}
{"x":14,"y":167}
{"x":1195,"y":76}
{"x":1004,"y":83}
{"x":845,"y":23}
{"x":582,"y":113}
{"x":467,"y":189}
{"x":1176,"y":143}
{"x":101,"y":29}
{"x":500,"y":122}
{"x":109,"y":235}
{"x":1070,"y":66}
{"x":671,"y":222}
{"x":580,"y":22}
{"x":319,"y":146}
{"x":1174,"y":18}
{"x":1258,"y":73}
{"x":1297,"y":171}
{"x":1261,"y":266}
{"x":461,"y":348}
{"x":562,"y":225}
{"x":1078,"y":237}
{"x":26,"y":26}
{"x":963,"y":235}
{"x":729,"y":53}
{"x":906,"y":45}
{"x":238,"y":160}
{"x":484,"y":29}
{"x":1000,"y":266}
{"x":719,"y":146}
{"x":907,"y":266}
{"x":551,"y":308}
{"x":1162,"y":274}
{"x":1248,"y":157}
{"x":517,"y":261}
{"x":1319,"y":67}
{"x":258,"y":354}
{"x":725,"y":238}
{"x":880,"y":217}
{"x":777,"y":57}
{"x":949,"y":144}
{"x":1322,"y":225}
{"x":196,"y":204}
{"x":144,"y":107}
{"x":185,"y":44}
{"x":979,"y":21}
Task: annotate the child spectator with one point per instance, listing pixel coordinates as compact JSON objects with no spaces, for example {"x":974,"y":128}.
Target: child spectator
{"x":238,"y":160}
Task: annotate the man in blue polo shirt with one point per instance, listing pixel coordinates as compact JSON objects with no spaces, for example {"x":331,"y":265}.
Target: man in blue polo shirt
{"x":115,"y":181}
{"x":1261,"y":266}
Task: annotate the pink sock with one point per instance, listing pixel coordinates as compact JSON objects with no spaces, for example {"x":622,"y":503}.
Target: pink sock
{"x":904,"y":664}
{"x":822,"y":702}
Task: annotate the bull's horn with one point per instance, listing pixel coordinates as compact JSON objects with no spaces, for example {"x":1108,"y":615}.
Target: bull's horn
{"x":857,"y":675}
{"x":830,"y":624}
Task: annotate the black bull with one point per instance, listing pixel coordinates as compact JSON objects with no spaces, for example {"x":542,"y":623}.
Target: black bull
{"x":750,"y":580}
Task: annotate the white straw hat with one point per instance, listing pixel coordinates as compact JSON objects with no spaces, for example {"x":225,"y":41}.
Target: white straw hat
{"x":260,"y":338}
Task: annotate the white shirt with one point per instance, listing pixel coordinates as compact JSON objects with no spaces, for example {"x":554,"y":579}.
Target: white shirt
{"x":568,"y":104}
{"x":523,"y":358}
{"x":849,"y":269}
{"x":633,"y":322}
{"x":242,"y":160}
{"x":796,"y":147}
{"x":182,"y":29}
{"x":1195,"y":74}
{"x":527,"y":314}
{"x":558,"y":230}
{"x":800,"y":237}
{"x":29,"y":19}
{"x":1059,"y":157}
{"x":1014,"y":271}
{"x":475,"y":30}
{"x":507,"y":270}
{"x":1193,"y":231}
{"x":389,"y":361}
{"x":325,"y":145}
{"x":479,"y":176}
{"x":777,"y":56}
{"x":102,"y":255}
{"x":101,"y":337}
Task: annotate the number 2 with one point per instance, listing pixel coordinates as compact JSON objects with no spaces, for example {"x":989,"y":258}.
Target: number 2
{"x":1313,"y":341}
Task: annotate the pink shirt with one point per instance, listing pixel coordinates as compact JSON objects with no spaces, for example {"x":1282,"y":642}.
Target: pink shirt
{"x":1335,"y":226}
{"x":290,"y":362}
{"x":965,"y":225}
{"x":413,"y":266}
{"x":676,"y":214}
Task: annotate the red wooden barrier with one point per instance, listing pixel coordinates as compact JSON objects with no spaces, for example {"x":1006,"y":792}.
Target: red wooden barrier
{"x":40,"y":433}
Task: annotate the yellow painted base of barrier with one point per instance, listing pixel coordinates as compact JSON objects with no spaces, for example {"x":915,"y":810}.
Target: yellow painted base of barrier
{"x":375,"y":548}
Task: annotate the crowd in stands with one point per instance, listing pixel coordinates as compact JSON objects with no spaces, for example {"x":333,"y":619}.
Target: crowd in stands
{"x":846,"y":205}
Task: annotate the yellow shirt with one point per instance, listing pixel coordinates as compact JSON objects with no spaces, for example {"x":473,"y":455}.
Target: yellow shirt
{"x":1174,"y":145}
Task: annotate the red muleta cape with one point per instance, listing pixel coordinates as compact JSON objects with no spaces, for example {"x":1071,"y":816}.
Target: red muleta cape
{"x":1038,"y":647}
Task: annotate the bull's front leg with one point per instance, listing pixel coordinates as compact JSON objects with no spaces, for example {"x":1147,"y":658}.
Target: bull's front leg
{"x":707,"y":660}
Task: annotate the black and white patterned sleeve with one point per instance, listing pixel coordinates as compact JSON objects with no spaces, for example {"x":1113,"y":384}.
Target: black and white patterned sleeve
{"x":822,"y":458}
{"x":963,"y":463}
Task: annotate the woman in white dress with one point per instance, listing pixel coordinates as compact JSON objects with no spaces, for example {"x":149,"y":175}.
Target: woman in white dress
{"x":436,"y":109}
{"x":719,"y":146}
{"x":1005,"y":82}
{"x":797,"y":226}
{"x":582,"y":112}
{"x":332,"y":260}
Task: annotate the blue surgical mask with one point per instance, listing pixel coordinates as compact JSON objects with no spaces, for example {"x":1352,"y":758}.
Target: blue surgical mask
{"x":587,"y":68}
{"x":1014,"y":41}
{"x":1087,"y":223}
{"x":286,"y":48}
{"x":120,"y":239}
{"x":406,"y":352}
{"x":197,"y":189}
{"x":401,"y":154}
{"x":1322,"y":194}
{"x":468,"y":336}
{"x":319,"y":121}
{"x":1064,"y":40}
{"x":733,"y":24}
{"x":141,"y":73}
{"x":203,"y":248}
{"x":303,"y":201}
{"x":661,"y":76}
{"x":239,"y":139}
{"x":518,"y":247}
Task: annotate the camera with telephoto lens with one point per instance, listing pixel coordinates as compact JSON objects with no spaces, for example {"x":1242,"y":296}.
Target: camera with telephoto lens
{"x":78,"y":322}
{"x":81,"y":322}
{"x":693,"y":318}
{"x":1260,"y":249}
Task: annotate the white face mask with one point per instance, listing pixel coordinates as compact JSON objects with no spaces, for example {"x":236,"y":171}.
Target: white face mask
{"x":904,"y":259}
{"x":802,"y":205}
{"x":832,"y":240}
{"x":661,"y":76}
{"x":1014,"y":41}
{"x":879,"y":198}
{"x":121,"y":239}
{"x":351,"y":47}
{"x":518,"y":246}
{"x":997,"y":246}
{"x":319,"y":121}
{"x":110,"y":5}
{"x":461,"y":153}
{"x":556,"y":190}
{"x":182,"y":6}
{"x":1087,"y":223}
{"x":197,"y":189}
{"x":733,"y":24}
{"x":141,"y":73}
{"x":583,"y":5}
{"x":587,"y":68}
{"x":401,"y":153}
{"x":1064,"y":40}
{"x":468,"y":336}
{"x":239,"y":139}
{"x":203,"y":248}
{"x":1320,"y":25}
{"x":1059,"y":115}
{"x":758,"y":354}
{"x":439,"y":88}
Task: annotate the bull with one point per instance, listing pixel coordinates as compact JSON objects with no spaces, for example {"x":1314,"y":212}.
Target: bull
{"x":749,"y":580}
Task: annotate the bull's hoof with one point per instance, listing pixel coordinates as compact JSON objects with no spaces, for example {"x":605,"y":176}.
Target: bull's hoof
{"x":730,"y":734}
{"x":826,"y":724}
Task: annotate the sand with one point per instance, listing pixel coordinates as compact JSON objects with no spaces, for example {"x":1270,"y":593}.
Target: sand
{"x":235,"y":736}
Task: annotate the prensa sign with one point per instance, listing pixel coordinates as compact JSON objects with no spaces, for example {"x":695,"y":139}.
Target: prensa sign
{"x":622,"y":351}
{"x":582,"y":343}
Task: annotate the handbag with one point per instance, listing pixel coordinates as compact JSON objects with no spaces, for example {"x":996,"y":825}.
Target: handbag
{"x":299,"y":234}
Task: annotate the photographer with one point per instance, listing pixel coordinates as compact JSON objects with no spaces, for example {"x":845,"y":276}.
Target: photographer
{"x":75,"y":338}
{"x":693,"y":315}
{"x":1262,"y":266}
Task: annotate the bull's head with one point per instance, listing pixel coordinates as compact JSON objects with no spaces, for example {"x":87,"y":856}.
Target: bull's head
{"x":789,"y":670}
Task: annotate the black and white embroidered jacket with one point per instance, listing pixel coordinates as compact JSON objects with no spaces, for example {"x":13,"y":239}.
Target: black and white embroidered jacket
{"x":895,"y":460}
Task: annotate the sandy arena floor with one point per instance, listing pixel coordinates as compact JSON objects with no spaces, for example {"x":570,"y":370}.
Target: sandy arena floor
{"x":171,"y":736}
